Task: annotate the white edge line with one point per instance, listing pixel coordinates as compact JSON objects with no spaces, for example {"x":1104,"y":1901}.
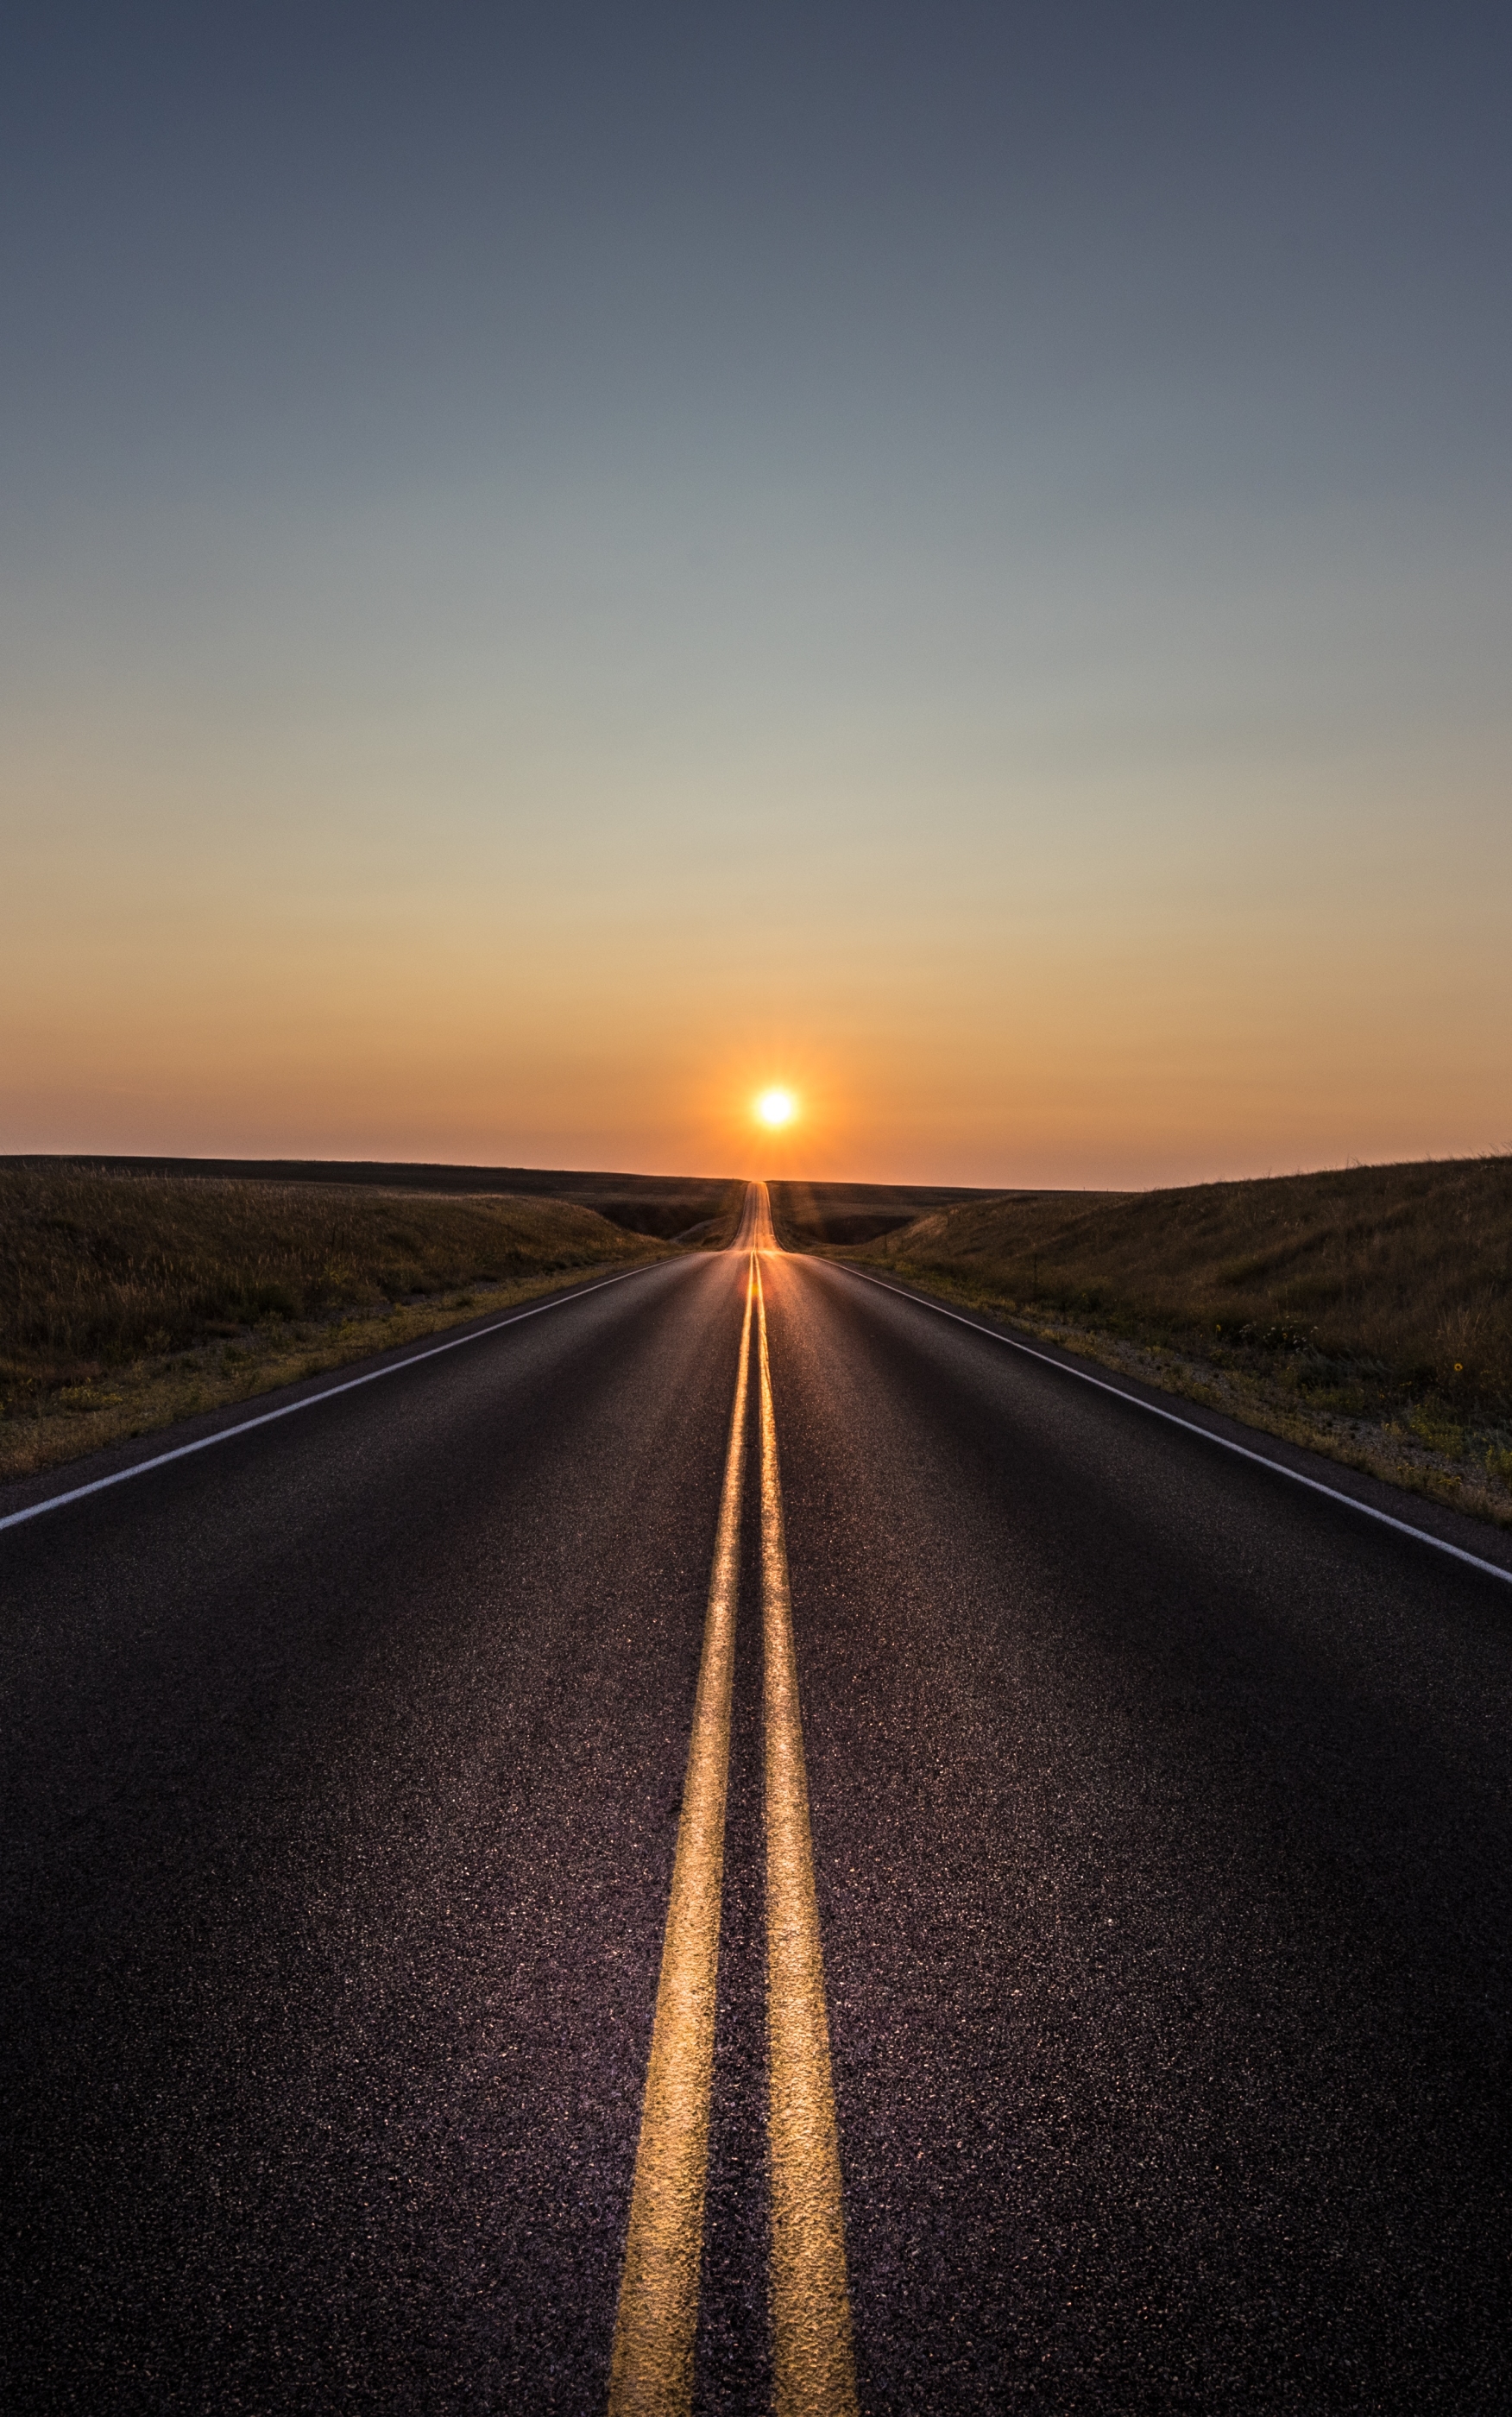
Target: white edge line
{"x":309,"y":1401}
{"x":1173,"y":1418}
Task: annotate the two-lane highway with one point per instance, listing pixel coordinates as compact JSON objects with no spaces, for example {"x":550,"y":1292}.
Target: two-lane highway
{"x":735,"y":1693}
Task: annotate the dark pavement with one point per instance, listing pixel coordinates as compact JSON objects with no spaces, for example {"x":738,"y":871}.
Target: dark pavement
{"x":1163,"y":1846}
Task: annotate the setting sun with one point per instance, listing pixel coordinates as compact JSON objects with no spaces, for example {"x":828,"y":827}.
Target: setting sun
{"x":777,"y":1107}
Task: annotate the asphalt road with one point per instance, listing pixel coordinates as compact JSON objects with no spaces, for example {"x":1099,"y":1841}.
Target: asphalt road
{"x":1161,"y":1847}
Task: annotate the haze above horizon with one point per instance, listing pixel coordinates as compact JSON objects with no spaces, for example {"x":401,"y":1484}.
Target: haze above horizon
{"x":560,"y":572}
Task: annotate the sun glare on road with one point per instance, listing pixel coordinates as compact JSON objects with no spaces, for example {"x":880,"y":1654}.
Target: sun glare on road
{"x":777,"y":1107}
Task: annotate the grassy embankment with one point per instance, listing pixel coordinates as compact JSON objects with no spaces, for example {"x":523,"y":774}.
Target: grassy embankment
{"x":1366,"y":1313}
{"x":130,"y":1300}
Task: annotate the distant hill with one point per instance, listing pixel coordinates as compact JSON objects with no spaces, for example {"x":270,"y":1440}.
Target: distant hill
{"x":663,"y":1205}
{"x":809,"y":1214}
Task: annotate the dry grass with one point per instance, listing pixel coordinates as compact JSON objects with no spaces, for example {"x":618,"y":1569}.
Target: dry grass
{"x":128,"y":1300}
{"x":1365,"y":1312}
{"x":666,"y":1206}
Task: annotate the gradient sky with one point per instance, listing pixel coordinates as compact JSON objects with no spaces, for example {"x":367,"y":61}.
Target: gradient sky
{"x":559,"y":563}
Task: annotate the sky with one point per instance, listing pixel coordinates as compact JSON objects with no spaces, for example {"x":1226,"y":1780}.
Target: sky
{"x":560,"y":565}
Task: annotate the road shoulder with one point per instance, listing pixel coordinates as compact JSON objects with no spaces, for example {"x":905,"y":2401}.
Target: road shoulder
{"x":1480,"y":1538}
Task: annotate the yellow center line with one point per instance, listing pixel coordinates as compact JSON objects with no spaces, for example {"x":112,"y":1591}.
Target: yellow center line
{"x":652,"y":2369}
{"x":813,"y":2363}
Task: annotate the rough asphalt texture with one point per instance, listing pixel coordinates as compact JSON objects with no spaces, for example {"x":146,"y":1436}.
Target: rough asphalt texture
{"x":1164,"y":1855}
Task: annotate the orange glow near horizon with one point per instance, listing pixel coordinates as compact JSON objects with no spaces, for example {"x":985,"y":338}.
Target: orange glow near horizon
{"x":154,"y":1002}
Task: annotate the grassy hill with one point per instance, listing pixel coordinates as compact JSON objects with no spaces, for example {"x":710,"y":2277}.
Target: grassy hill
{"x":1366,"y":1311}
{"x":129,"y":1300}
{"x":664,"y":1205}
{"x":806,"y":1214}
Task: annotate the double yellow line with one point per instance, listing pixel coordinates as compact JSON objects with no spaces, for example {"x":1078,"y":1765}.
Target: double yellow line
{"x":652,"y":2371}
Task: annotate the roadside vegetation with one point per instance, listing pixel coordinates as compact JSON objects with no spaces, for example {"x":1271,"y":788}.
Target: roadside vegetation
{"x":1366,"y":1313}
{"x":130,"y":1300}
